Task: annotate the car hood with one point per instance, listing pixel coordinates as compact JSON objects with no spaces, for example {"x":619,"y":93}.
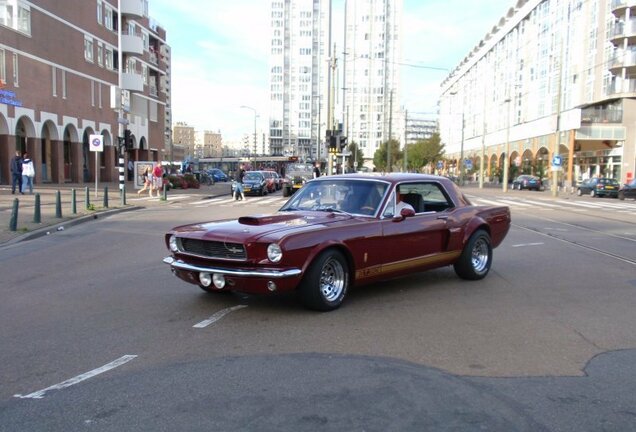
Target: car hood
{"x":252,"y":228}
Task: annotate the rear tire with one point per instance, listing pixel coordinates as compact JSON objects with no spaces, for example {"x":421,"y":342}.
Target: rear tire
{"x":621,"y":196}
{"x":476,"y":258}
{"x":286,"y":192}
{"x":325,"y":284}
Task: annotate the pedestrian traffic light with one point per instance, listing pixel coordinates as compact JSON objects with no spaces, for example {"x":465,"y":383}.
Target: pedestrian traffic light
{"x":343,"y":142}
{"x":127,"y":139}
{"x":333,"y":144}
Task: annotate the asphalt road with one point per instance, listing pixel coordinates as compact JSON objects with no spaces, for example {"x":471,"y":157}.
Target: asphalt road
{"x":98,"y":335}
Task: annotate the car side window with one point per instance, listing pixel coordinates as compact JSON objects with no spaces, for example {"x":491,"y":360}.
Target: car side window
{"x":389,"y":210}
{"x":425,"y":197}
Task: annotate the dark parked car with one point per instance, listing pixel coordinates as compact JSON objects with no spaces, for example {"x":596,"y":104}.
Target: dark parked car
{"x":628,"y":190}
{"x":254,"y":183}
{"x":217,"y":175}
{"x":341,"y":231}
{"x":599,"y":187}
{"x":527,"y":182}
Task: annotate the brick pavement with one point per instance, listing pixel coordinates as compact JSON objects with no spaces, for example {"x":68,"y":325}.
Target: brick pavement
{"x":28,"y":229}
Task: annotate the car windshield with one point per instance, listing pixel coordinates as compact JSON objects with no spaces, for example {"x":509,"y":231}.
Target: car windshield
{"x":607,"y":181}
{"x":357,"y":197}
{"x":299,"y":168}
{"x":252,"y":176}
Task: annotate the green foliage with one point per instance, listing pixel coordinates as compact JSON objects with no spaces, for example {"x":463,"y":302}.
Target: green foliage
{"x":425,"y":152}
{"x":380,"y":156}
{"x":356,"y":155}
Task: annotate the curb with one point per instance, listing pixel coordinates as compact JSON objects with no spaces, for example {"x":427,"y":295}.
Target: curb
{"x":50,"y":229}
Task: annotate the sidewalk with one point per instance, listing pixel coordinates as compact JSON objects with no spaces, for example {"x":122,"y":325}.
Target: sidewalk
{"x":50,"y":223}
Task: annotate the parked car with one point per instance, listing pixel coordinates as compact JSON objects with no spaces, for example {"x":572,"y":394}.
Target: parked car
{"x":599,"y":187}
{"x":254,"y":183}
{"x":628,"y":190}
{"x":529,"y":182}
{"x":341,"y":231}
{"x":270,"y":181}
{"x":278,"y":180}
{"x":217,"y":175}
{"x":296,"y":175}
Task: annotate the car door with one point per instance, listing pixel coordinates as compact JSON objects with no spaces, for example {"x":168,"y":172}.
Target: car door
{"x":418,"y":240}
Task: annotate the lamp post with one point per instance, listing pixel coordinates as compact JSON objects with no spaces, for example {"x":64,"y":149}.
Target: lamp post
{"x":461,"y":148}
{"x":255,"y":116}
{"x":507,"y":151}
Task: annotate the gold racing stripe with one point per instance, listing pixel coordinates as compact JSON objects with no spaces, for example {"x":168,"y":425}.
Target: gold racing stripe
{"x":406,"y":264}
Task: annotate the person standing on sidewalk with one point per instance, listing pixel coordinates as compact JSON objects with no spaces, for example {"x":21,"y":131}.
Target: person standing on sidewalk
{"x":238,"y":183}
{"x":28,"y":172}
{"x":16,"y":172}
{"x":157,"y":179}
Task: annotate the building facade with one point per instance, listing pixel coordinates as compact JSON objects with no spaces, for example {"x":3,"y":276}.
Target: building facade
{"x":371,"y":73}
{"x":418,"y":129}
{"x":212,"y":143}
{"x":59,"y":68}
{"x":298,"y":77}
{"x":552,"y":78}
{"x":184,"y":136}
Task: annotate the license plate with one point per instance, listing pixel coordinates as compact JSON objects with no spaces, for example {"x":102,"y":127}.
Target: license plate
{"x":609,"y":187}
{"x":297,"y":186}
{"x":247,"y":188}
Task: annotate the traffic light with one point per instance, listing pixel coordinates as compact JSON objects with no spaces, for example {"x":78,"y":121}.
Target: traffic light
{"x":127,"y":139}
{"x":343,"y":142}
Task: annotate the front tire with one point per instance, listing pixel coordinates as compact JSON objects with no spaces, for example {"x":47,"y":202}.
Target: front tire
{"x":476,"y":258}
{"x":592,"y":193}
{"x":325,"y":285}
{"x":578,"y":192}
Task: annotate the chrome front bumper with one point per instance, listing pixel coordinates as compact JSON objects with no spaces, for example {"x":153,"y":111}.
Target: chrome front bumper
{"x":270,"y":274}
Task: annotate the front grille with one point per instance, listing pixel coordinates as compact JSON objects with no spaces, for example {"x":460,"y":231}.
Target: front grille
{"x":213,"y":249}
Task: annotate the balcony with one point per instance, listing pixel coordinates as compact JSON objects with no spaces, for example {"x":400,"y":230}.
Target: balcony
{"x":624,"y":30}
{"x":619,"y":7}
{"x":132,"y":44}
{"x":627,"y":61}
{"x":132,"y":81}
{"x":134,"y":8}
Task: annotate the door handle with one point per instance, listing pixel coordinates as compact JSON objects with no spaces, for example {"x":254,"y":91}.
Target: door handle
{"x":442,"y":217}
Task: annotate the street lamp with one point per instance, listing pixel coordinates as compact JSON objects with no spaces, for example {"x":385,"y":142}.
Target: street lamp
{"x":507,"y":151}
{"x":255,"y":116}
{"x":461,"y":149}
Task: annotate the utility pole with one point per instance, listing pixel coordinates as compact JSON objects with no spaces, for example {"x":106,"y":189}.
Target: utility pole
{"x":406,"y":141}
{"x":388,"y":150}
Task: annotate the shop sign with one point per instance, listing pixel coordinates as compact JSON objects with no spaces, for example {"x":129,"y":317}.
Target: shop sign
{"x":8,"y":97}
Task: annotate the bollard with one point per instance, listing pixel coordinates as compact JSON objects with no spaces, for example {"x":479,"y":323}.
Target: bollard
{"x":58,"y":205}
{"x":164,"y":197}
{"x":122,"y":195}
{"x":37,"y":215}
{"x":105,"y":196}
{"x":13,"y":223}
{"x":73,"y":201}
{"x":87,"y":199}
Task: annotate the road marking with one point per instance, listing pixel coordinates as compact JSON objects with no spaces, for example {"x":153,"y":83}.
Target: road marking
{"x":217,"y":316}
{"x":514,"y":203}
{"x":527,"y":244}
{"x":541,"y":203}
{"x":112,"y":365}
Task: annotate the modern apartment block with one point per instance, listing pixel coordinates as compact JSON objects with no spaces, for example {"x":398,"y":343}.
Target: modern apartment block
{"x":184,"y":137}
{"x":212,"y":144}
{"x":552,"y":78}
{"x":59,"y":61}
{"x":418,"y":129}
{"x":371,"y":73}
{"x":298,"y":77}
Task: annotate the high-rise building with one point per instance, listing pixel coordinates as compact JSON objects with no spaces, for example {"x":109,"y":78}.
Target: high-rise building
{"x":212,"y":143}
{"x":60,"y":63}
{"x":298,"y":77}
{"x":184,"y":136}
{"x":552,"y":78}
{"x":371,"y":71}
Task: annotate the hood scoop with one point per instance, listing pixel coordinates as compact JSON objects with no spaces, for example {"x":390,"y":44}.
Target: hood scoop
{"x":267,"y":219}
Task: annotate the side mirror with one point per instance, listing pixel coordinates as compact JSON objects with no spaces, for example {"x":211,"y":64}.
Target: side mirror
{"x":404,"y":213}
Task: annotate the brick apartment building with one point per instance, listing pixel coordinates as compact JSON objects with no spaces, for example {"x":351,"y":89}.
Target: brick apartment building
{"x":59,"y":68}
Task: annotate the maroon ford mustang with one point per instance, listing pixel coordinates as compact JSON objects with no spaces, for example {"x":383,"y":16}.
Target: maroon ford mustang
{"x":340,"y":231}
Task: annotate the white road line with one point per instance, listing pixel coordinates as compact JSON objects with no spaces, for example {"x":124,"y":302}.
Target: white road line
{"x":112,"y":365}
{"x":541,"y":203}
{"x":485,"y":201}
{"x":517,"y":203}
{"x":217,"y":316}
{"x":527,"y":244}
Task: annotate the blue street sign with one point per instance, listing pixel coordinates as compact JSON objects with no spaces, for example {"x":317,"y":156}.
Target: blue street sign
{"x":440,"y":165}
{"x":468,"y":164}
{"x":557,"y":161}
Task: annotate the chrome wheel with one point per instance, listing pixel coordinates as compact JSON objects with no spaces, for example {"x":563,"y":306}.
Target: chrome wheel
{"x":480,"y":255}
{"x":332,"y":279}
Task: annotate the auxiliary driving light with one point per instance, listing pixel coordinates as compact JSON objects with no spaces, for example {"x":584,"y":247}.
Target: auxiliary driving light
{"x":271,"y":286}
{"x":218,"y":280}
{"x":205,"y":279}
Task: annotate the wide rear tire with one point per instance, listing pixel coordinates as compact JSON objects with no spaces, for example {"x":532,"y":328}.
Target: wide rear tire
{"x":476,"y":258}
{"x":325,"y":284}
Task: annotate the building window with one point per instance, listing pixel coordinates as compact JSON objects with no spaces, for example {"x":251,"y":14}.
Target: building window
{"x":92,"y":93}
{"x":108,"y":18}
{"x":63,"y":84}
{"x":88,"y":49}
{"x":16,"y":74}
{"x":99,"y":94}
{"x":100,"y":54}
{"x":16,"y":15}
{"x":100,"y":12}
{"x":3,"y":69}
{"x":54,"y":80}
{"x":24,"y":19}
{"x":108,"y":60}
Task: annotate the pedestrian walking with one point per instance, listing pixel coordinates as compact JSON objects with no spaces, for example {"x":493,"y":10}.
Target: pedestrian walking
{"x":16,"y":172}
{"x":28,"y":172}
{"x":147,"y":179}
{"x":238,"y":183}
{"x":317,"y":170}
{"x":131,"y":169}
{"x":157,"y":179}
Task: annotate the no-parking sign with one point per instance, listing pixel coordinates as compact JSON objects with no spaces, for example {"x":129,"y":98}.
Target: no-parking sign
{"x":96,"y":143}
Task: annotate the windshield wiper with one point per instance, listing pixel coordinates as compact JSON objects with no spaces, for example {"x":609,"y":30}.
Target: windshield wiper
{"x":331,"y":210}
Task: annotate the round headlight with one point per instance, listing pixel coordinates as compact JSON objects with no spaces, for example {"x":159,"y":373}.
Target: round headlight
{"x":205,"y":279}
{"x":173,"y":243}
{"x":274,"y":253}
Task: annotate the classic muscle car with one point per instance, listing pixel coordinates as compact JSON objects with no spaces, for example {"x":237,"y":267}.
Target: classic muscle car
{"x":341,"y":231}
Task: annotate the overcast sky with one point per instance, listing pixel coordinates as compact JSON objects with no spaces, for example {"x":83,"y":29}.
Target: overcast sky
{"x":220,"y":52}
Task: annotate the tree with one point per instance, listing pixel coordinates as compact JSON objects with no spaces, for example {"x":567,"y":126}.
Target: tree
{"x":380,"y":156}
{"x":425,"y":152}
{"x":357,"y":155}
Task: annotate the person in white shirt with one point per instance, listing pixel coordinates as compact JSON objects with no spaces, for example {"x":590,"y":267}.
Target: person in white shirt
{"x":401,"y":204}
